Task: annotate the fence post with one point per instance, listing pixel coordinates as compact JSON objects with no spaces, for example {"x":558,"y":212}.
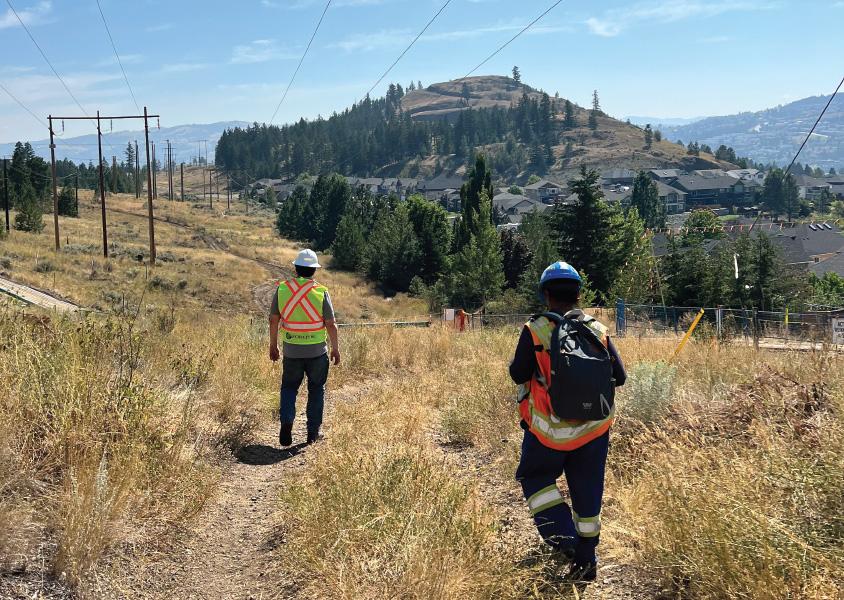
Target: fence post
{"x":756,"y":332}
{"x":719,"y":316}
{"x":620,"y":318}
{"x":676,"y":320}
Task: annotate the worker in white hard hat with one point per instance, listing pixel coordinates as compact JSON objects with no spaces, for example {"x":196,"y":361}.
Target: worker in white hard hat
{"x":303,"y":309}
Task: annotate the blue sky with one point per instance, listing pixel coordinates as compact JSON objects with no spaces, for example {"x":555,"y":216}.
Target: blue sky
{"x":212,"y":60}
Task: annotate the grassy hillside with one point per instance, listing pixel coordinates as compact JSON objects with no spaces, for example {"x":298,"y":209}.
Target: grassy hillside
{"x":118,"y":432}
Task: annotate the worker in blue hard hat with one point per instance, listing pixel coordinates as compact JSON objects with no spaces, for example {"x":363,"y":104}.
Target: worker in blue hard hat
{"x":566,"y":368}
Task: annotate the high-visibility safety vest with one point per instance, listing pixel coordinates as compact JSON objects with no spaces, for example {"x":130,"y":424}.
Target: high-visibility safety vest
{"x":300,"y":305}
{"x":535,"y":402}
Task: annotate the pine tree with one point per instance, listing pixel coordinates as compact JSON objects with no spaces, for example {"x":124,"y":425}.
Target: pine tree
{"x":596,"y":110}
{"x":129,"y":153}
{"x":68,"y":206}
{"x":393,"y":256}
{"x":29,"y":216}
{"x":479,"y":181}
{"x":517,"y":75}
{"x":645,"y":199}
{"x":349,"y":248}
{"x":780,"y":193}
{"x":478,"y":267}
{"x":569,"y":121}
{"x":649,"y":136}
{"x":516,"y":257}
{"x":289,"y":219}
{"x":430,"y":224}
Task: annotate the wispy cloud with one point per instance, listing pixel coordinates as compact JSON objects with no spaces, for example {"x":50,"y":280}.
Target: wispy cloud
{"x":395,"y":38}
{"x":715,"y":39}
{"x":159,"y":27}
{"x":184,"y":67}
{"x":258,"y":51}
{"x":612,"y":23}
{"x":30,"y":16}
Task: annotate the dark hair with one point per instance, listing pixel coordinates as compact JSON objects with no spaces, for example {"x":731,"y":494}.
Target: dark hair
{"x":563,"y":291}
{"x":306,"y":272}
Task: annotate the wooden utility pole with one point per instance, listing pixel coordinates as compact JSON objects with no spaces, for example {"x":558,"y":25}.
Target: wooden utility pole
{"x":228,"y":192}
{"x":76,"y":191}
{"x":154,"y":174}
{"x":114,"y":175}
{"x":149,"y":194}
{"x":137,"y":173}
{"x":150,"y":190}
{"x":182,"y":181}
{"x":102,"y":186}
{"x":210,"y":190}
{"x":6,"y":193}
{"x":55,"y":191}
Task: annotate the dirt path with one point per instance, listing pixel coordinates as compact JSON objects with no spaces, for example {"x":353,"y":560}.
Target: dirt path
{"x":35,"y":297}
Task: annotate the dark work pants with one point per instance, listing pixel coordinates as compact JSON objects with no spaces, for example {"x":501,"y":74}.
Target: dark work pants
{"x":576,"y":527}
{"x":292,"y":374}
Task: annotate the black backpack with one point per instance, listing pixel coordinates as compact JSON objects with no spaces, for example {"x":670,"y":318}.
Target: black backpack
{"x":582,"y":386}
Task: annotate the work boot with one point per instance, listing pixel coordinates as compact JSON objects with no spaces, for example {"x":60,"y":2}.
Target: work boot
{"x":582,"y":572}
{"x":285,"y":434}
{"x":313,"y":437}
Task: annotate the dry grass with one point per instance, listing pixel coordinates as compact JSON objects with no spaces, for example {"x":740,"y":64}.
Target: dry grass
{"x":730,"y":486}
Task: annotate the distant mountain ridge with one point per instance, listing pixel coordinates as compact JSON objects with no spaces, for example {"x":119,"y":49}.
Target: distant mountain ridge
{"x":660,"y":122}
{"x":775,"y":134}
{"x":184,"y":139}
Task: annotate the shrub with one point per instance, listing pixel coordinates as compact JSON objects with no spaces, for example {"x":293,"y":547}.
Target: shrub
{"x":29,"y":216}
{"x":44,"y":266}
{"x":649,"y":391}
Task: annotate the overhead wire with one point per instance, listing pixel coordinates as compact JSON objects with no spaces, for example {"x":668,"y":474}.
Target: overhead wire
{"x":47,"y":60}
{"x":301,"y":60}
{"x":117,"y":55}
{"x":513,"y":39}
{"x":23,"y":106}
{"x":406,"y":50}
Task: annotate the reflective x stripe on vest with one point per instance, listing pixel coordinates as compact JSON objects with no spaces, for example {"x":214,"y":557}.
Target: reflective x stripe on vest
{"x":300,"y":303}
{"x":535,"y":403}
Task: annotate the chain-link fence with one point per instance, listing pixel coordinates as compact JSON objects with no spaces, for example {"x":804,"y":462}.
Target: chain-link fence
{"x":727,"y":323}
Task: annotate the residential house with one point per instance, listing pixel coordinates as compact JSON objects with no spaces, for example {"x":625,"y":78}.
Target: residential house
{"x":748,"y":175}
{"x":835,"y":264}
{"x":512,"y":207}
{"x":836,"y":186}
{"x":450,"y":200}
{"x":433,"y":189}
{"x":545,"y":191}
{"x":811,"y":188}
{"x":708,"y":189}
{"x":665,"y":175}
{"x":618,"y":176}
{"x":673,"y":199}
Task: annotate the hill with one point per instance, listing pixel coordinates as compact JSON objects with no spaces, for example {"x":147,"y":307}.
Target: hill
{"x":84,"y":148}
{"x":438,"y":129}
{"x":773,"y":135}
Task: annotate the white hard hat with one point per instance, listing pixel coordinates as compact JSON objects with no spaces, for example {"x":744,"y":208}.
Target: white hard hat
{"x":307,"y":258}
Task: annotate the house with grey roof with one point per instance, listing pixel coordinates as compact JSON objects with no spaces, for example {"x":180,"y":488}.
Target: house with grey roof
{"x":516,"y":205}
{"x":433,"y":189}
{"x":545,"y":191}
{"x":665,"y":175}
{"x":708,"y":189}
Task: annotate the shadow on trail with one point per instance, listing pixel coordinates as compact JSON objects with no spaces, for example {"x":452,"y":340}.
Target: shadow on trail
{"x":262,"y":455}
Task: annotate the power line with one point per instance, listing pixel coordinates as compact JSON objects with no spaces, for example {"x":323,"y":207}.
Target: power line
{"x":23,"y":106}
{"x":512,"y":39}
{"x":301,"y":60}
{"x":47,"y":60}
{"x":811,"y":131}
{"x":119,"y":62}
{"x":406,"y":50}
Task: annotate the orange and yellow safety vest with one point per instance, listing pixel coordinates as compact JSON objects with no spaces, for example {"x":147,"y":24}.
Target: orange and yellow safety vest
{"x":535,"y":402}
{"x":300,"y":305}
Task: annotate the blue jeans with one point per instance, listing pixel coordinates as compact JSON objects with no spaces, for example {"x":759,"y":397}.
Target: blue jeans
{"x":292,"y":374}
{"x":577,"y":527}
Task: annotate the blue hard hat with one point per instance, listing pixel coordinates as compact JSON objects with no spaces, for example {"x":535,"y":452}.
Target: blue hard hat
{"x":560,"y":270}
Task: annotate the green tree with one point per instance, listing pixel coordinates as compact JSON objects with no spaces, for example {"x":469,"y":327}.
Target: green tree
{"x":596,"y":110}
{"x":780,"y":193}
{"x":68,"y":206}
{"x":569,"y":120}
{"x":29,"y":216}
{"x":657,"y":136}
{"x":702,"y":225}
{"x":827,"y":291}
{"x":478,"y":267}
{"x":516,"y":256}
{"x":479,"y":182}
{"x":593,"y":235}
{"x":466,"y":94}
{"x":645,"y":200}
{"x":517,"y":75}
{"x":649,"y":136}
{"x":129,"y":154}
{"x":393,"y":256}
{"x":349,"y":248}
{"x":430,"y":225}
{"x":290,"y":217}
